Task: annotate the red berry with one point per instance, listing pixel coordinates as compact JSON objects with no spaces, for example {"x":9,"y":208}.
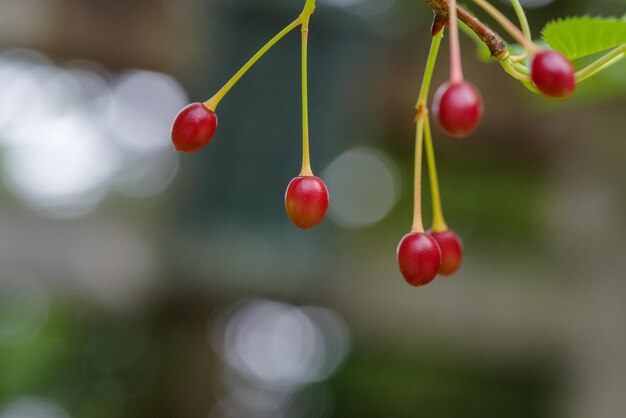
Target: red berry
{"x":306,"y":201}
{"x":458,"y":108}
{"x":419,"y":258}
{"x":553,"y":74}
{"x":193,"y":128}
{"x":451,"y":251}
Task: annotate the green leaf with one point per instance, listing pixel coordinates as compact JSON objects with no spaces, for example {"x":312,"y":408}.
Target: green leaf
{"x":578,"y":37}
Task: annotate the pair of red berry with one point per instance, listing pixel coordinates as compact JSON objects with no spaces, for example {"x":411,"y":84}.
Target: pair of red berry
{"x":306,"y":198}
{"x":423,"y":255}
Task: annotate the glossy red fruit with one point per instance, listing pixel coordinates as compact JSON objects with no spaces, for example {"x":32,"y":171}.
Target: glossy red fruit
{"x":419,"y":258}
{"x":193,"y":128}
{"x":451,"y":248}
{"x":458,"y":108}
{"x":553,"y":74}
{"x":306,"y":201}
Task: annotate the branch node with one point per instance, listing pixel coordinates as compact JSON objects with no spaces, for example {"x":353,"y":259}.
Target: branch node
{"x":494,"y":42}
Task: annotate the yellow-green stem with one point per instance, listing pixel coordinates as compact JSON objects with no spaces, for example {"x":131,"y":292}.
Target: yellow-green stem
{"x":215,"y":100}
{"x":514,"y":71}
{"x":602,"y":63}
{"x":439,"y":223}
{"x":306,"y":160}
{"x":523,"y":21}
{"x":428,"y":72}
{"x":422,"y":115}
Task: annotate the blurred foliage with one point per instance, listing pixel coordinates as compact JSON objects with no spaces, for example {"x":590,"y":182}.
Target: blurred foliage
{"x":436,"y":383}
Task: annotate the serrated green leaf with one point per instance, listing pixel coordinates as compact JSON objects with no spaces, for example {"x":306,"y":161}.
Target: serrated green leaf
{"x":578,"y":37}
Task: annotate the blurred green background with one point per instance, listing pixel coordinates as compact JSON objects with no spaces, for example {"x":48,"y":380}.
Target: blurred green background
{"x":136,"y":282}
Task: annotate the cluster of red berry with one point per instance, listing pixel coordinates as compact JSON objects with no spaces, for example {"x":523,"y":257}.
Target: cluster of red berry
{"x":457,"y":107}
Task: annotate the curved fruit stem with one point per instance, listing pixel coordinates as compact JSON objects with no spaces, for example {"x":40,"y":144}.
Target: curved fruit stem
{"x":302,"y":20}
{"x":421,"y":118}
{"x":515,"y":71}
{"x":456,"y":67}
{"x":523,"y":20}
{"x":306,"y":160}
{"x":428,"y":72}
{"x":439,"y":222}
{"x":508,"y":26}
{"x":602,"y":63}
{"x":215,"y":100}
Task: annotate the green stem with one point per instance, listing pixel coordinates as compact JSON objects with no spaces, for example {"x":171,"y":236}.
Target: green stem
{"x":309,"y":7}
{"x":439,"y":223}
{"x":602,"y":63}
{"x":523,"y":20}
{"x":521,"y":68}
{"x":428,"y":72}
{"x":422,"y":119}
{"x":519,"y":72}
{"x":512,"y":70}
{"x":306,"y":160}
{"x":215,"y":100}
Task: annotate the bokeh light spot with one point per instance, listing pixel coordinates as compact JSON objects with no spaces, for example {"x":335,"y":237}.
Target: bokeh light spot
{"x":364,"y":186}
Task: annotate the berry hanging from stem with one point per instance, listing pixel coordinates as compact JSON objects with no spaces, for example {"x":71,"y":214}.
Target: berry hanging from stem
{"x":306,"y":198}
{"x":457,"y":105}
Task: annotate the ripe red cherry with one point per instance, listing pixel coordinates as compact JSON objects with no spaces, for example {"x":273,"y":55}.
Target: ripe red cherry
{"x":553,"y":74}
{"x":193,"y":128}
{"x":451,"y":248}
{"x":306,"y":201}
{"x":458,"y":108}
{"x":419,"y":258}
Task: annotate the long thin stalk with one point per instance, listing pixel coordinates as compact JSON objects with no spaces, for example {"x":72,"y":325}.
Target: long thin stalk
{"x":215,"y":100}
{"x":602,"y":63}
{"x":428,"y":72}
{"x":306,"y":160}
{"x":523,"y":21}
{"x":422,"y":118}
{"x":439,"y":223}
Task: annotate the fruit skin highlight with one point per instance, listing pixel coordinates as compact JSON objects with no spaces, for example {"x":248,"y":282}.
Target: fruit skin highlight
{"x":451,"y":248}
{"x":458,"y":108}
{"x":553,"y":74}
{"x":193,"y":128}
{"x":419,"y":258}
{"x":306,"y":201}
